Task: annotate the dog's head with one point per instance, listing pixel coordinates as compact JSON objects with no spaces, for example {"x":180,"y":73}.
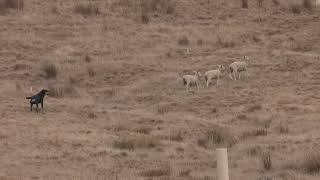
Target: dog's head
{"x":45,"y":92}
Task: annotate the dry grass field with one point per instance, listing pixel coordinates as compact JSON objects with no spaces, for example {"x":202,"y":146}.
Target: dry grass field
{"x":117,"y":107}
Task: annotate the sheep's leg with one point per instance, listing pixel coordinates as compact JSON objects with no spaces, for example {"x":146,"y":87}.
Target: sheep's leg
{"x":208,"y":83}
{"x":247,"y":73}
{"x":239,"y":75}
{"x":197,"y":86}
{"x":230,"y":76}
{"x":218,"y":81}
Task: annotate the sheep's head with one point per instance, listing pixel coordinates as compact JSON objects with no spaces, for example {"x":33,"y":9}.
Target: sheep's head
{"x":221,"y":68}
{"x":246,"y":58}
{"x":198,"y":74}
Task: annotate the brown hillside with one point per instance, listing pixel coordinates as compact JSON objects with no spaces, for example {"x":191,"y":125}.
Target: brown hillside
{"x":117,"y":108}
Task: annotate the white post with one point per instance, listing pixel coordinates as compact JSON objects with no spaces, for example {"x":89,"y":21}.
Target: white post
{"x":222,"y":164}
{"x":317,"y":3}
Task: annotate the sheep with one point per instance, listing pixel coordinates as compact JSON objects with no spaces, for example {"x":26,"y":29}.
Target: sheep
{"x":214,"y":74}
{"x":238,"y":67}
{"x":190,"y":80}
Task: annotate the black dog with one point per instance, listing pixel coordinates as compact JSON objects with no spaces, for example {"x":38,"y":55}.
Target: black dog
{"x":38,"y":98}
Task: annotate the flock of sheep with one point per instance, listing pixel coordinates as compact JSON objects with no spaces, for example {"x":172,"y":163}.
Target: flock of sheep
{"x":235,"y":70}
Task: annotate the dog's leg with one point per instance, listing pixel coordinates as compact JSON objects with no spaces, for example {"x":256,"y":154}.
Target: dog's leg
{"x":42,"y":105}
{"x":31,"y":106}
{"x":37,"y":107}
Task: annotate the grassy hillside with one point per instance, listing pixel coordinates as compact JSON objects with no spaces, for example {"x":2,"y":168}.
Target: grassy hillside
{"x":117,"y":107}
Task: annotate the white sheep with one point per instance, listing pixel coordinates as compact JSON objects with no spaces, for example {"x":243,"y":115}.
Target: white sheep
{"x":238,"y":67}
{"x":191,"y":80}
{"x":214,"y":74}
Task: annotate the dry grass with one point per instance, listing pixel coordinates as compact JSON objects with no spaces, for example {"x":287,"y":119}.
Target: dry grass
{"x":245,"y":4}
{"x":311,"y":163}
{"x":11,"y":4}
{"x":224,"y":41}
{"x":142,"y":141}
{"x":174,"y":136}
{"x":255,"y":107}
{"x":260,"y":132}
{"x":50,"y":70}
{"x":184,"y":173}
{"x":62,"y":90}
{"x":143,"y":130}
{"x":161,"y":6}
{"x":87,"y":58}
{"x":161,"y":171}
{"x":276,"y":2}
{"x":260,"y":3}
{"x":163,"y":109}
{"x":218,"y":136}
{"x":91,"y":71}
{"x":307,"y":4}
{"x":266,"y":160}
{"x":254,"y":151}
{"x":296,"y":8}
{"x":86,"y":9}
{"x":92,"y":115}
{"x":283,"y":128}
{"x":183,"y":40}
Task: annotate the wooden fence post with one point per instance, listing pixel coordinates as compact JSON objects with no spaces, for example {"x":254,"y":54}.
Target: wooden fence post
{"x":222,"y":164}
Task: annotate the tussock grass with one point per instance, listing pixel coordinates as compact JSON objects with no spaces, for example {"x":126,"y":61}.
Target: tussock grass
{"x":86,"y":9}
{"x":266,"y":160}
{"x":311,"y":162}
{"x":50,"y":70}
{"x":142,"y":141}
{"x":11,"y":4}
{"x":161,"y":171}
{"x":62,"y":90}
{"x":217,"y":137}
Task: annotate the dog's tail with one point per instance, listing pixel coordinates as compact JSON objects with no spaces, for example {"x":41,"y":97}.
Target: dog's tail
{"x":28,"y":97}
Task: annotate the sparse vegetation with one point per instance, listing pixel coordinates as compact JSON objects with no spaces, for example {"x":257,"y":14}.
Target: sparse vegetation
{"x":91,"y":71}
{"x":245,"y":4}
{"x":217,"y":137}
{"x":296,"y":8}
{"x":254,"y":151}
{"x":62,"y":90}
{"x":142,"y":141}
{"x":200,"y":42}
{"x":283,"y":128}
{"x":86,"y":9}
{"x":224,"y":41}
{"x":11,"y":4}
{"x":162,"y":171}
{"x":163,"y":109}
{"x":50,"y":69}
{"x":92,"y":115}
{"x":311,"y":162}
{"x":266,"y":160}
{"x":183,"y":40}
{"x":87,"y":58}
{"x":276,"y":2}
{"x":255,"y":107}
{"x":260,"y":132}
{"x":143,"y":130}
{"x":176,"y":136}
{"x":307,"y":4}
{"x":260,"y":3}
